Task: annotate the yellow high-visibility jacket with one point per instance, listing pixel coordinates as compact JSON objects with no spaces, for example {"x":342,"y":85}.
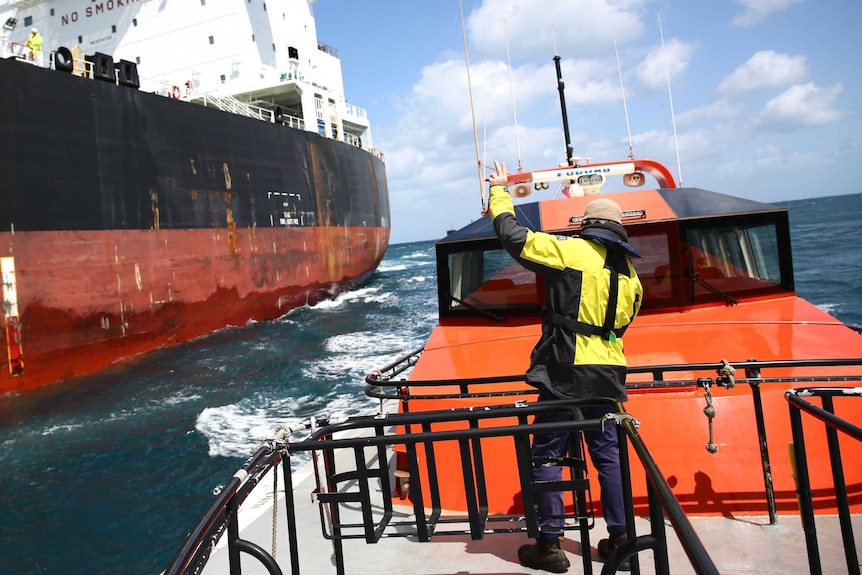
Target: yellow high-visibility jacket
{"x":580,"y":352}
{"x":34,"y":43}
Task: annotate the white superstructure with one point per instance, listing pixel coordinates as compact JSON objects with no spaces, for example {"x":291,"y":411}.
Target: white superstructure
{"x":234,"y":53}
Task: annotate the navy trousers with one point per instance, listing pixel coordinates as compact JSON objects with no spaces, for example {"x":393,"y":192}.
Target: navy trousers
{"x":604,"y":453}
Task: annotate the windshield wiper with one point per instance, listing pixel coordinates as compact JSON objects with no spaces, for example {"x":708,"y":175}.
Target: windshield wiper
{"x":492,"y":315}
{"x":729,"y":299}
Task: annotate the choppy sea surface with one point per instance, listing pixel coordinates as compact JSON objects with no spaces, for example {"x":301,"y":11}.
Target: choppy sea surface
{"x":109,"y":474}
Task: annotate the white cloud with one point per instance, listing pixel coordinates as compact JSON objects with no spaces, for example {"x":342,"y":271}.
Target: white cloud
{"x":431,"y":152}
{"x":757,"y":10}
{"x":673,"y":60}
{"x":535,"y":27}
{"x":801,"y":106}
{"x":719,"y":110}
{"x":766,"y":69}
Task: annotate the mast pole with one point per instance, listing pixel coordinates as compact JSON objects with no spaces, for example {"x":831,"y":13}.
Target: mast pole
{"x":561,"y":87}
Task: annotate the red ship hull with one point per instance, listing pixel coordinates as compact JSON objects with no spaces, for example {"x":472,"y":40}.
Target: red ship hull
{"x":96,"y":297}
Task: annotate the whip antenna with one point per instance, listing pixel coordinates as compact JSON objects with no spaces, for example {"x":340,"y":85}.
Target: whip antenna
{"x":473,"y":112}
{"x":670,"y":97}
{"x":512,"y":90}
{"x":622,"y":88}
{"x":484,"y":108}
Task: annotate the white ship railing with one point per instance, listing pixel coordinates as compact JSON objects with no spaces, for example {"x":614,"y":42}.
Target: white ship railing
{"x":21,"y":52}
{"x":234,"y":106}
{"x":19,"y":4}
{"x":83,"y":68}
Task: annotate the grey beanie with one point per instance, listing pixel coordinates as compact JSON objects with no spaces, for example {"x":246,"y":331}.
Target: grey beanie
{"x":604,"y":209}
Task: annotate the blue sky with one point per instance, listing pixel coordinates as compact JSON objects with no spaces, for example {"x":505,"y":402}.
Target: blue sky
{"x":766,"y":93}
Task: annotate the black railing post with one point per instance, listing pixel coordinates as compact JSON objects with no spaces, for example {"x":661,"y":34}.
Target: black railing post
{"x":290,"y":512}
{"x":658,"y":531}
{"x":753,"y":375}
{"x":841,"y":500}
{"x":803,"y":491}
{"x":233,"y":536}
{"x":628,"y":499}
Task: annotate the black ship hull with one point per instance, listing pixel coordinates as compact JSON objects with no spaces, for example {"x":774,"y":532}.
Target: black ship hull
{"x":129,"y":220}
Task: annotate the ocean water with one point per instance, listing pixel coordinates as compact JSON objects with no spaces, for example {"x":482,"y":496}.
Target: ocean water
{"x":108,"y":475}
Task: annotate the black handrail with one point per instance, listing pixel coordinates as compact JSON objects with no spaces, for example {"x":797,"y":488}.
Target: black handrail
{"x":383,"y":378}
{"x":221,"y":517}
{"x":834,"y":424}
{"x":416,"y":390}
{"x":222,"y":514}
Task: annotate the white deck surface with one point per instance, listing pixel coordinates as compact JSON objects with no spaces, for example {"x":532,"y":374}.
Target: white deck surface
{"x":743,"y":545}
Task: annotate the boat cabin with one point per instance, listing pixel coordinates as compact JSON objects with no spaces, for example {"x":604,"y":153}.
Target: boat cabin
{"x":698,"y":248}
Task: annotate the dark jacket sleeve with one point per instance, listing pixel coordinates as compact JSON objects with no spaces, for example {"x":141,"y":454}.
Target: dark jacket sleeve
{"x":537,"y":251}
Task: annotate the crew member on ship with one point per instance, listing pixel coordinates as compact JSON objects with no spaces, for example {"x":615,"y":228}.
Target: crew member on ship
{"x":34,"y":44}
{"x":592,"y":294}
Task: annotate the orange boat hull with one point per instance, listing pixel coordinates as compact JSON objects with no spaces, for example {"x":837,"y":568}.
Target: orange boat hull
{"x":729,"y":482}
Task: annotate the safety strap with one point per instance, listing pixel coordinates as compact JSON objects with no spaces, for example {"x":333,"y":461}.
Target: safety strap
{"x":581,"y":327}
{"x":606,"y":330}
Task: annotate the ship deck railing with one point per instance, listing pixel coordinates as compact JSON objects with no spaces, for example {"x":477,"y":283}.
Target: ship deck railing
{"x":10,"y":49}
{"x":385,"y":384}
{"x":234,"y":106}
{"x":189,"y":93}
{"x":799,"y":406}
{"x":353,"y":461}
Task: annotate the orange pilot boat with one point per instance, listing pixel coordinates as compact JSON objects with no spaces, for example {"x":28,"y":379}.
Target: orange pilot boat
{"x":727,"y":366}
{"x":748,"y":397}
{"x":720,"y":340}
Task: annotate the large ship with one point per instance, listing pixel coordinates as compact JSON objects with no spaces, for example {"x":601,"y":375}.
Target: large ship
{"x":169,"y":170}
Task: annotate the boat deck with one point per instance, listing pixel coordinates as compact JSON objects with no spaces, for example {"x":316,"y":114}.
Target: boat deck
{"x":736,"y":545}
{"x":741,"y":544}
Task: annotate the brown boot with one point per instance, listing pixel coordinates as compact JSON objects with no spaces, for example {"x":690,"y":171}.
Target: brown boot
{"x":547,"y":556}
{"x":608,"y":547}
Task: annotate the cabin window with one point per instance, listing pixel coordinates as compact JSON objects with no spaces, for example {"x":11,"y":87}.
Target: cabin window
{"x":52,"y":11}
{"x":655,"y":267}
{"x":28,"y":21}
{"x":134,"y":21}
{"x":732,"y":259}
{"x":489,"y":279}
{"x":212,"y":39}
{"x":113,"y":29}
